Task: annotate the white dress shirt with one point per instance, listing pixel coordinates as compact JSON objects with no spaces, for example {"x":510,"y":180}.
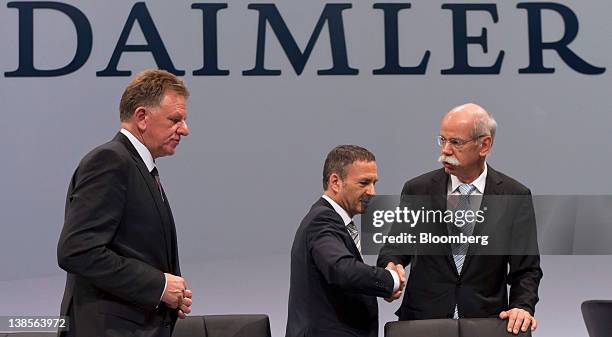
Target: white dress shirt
{"x":142,"y":150}
{"x":479,"y":183}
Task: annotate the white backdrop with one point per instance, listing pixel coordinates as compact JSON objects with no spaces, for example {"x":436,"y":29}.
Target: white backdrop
{"x":244,"y":178}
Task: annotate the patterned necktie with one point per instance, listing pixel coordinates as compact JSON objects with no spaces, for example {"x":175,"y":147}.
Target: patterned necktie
{"x":352,"y":229}
{"x":155,"y":175}
{"x":460,"y":249}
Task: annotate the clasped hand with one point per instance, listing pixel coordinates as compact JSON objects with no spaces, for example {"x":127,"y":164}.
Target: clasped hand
{"x":399,"y":269}
{"x":177,"y":296}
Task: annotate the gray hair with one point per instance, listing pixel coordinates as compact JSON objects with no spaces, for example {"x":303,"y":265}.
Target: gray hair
{"x":484,"y":126}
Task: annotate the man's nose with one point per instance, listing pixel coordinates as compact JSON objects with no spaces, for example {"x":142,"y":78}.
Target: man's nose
{"x":371,"y":190}
{"x":446,"y":149}
{"x":183,"y":129}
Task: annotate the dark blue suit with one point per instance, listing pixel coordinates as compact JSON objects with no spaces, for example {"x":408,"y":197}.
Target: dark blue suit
{"x":434,"y":286}
{"x":117,"y":242}
{"x":332,"y":292}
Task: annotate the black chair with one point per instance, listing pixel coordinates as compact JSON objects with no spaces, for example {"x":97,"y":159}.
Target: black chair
{"x":201,"y":326}
{"x":29,"y":334}
{"x":487,"y":327}
{"x":597,"y":317}
{"x":423,"y":328}
{"x":465,"y":327}
{"x":223,"y":326}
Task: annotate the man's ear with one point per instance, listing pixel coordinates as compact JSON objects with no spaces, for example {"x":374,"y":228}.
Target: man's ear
{"x":334,"y":183}
{"x":140,"y":117}
{"x":486,"y":144}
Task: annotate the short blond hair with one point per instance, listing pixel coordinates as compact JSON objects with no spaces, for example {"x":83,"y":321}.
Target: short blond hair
{"x":147,"y":88}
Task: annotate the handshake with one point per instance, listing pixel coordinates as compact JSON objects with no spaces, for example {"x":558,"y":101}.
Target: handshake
{"x":177,"y":296}
{"x":399,"y":269}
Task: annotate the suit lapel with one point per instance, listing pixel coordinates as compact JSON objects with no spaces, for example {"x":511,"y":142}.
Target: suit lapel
{"x":439,"y":192}
{"x":348,"y":240}
{"x":162,"y":208}
{"x":491,"y":204}
{"x":439,"y":189}
{"x":174,"y":251}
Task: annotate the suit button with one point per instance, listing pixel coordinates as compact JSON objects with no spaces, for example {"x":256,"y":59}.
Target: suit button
{"x":458,"y":284}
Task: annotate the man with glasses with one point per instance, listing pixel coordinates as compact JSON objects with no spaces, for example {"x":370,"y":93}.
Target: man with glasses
{"x":457,"y":284}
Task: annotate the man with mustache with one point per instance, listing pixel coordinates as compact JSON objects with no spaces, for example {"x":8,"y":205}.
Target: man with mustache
{"x":118,"y":243}
{"x":332,"y":291}
{"x":456,"y":284}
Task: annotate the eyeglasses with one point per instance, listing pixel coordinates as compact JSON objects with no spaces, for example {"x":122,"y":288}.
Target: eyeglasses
{"x":455,"y":143}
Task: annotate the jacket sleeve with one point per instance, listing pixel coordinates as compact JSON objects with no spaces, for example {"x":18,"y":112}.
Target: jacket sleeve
{"x":525,"y":273}
{"x":338,"y":265}
{"x":94,"y":209}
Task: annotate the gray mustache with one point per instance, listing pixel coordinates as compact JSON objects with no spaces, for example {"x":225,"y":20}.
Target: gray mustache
{"x":448,"y":159}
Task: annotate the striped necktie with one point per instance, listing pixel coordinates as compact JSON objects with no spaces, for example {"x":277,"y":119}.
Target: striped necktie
{"x":155,"y":175}
{"x":352,"y":229}
{"x":460,"y":249}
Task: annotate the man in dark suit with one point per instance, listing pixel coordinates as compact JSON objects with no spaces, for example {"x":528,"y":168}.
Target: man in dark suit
{"x":118,"y":243}
{"x":464,"y":283}
{"x":333,"y":292}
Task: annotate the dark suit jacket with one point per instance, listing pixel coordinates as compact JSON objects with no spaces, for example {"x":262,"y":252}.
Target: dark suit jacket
{"x":332,"y":291}
{"x":117,"y":241}
{"x":434,"y":286}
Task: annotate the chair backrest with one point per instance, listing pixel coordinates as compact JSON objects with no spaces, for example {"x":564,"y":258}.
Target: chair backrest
{"x":472,"y":327}
{"x":29,"y":334}
{"x":223,"y":326}
{"x":597,"y":317}
{"x":423,"y":328}
{"x":487,"y":327}
{"x":192,"y":326}
{"x":201,"y":326}
{"x":237,"y":325}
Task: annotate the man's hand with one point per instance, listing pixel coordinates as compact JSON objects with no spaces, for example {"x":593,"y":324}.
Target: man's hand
{"x":175,"y":291}
{"x":185,"y":307}
{"x":400,"y":272}
{"x":399,"y":269}
{"x":519,"y":319}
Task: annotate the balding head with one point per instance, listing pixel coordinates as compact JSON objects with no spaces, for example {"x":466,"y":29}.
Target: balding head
{"x":472,"y":116}
{"x":466,"y":137}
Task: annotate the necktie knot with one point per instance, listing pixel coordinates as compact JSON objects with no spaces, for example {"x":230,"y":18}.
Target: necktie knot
{"x":466,"y":189}
{"x":351,"y":226}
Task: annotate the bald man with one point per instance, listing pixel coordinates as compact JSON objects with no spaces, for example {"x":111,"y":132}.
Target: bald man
{"x":458,"y":284}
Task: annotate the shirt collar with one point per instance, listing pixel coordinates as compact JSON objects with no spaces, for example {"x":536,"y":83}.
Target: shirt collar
{"x":142,"y":150}
{"x":479,"y":183}
{"x":343,"y":214}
